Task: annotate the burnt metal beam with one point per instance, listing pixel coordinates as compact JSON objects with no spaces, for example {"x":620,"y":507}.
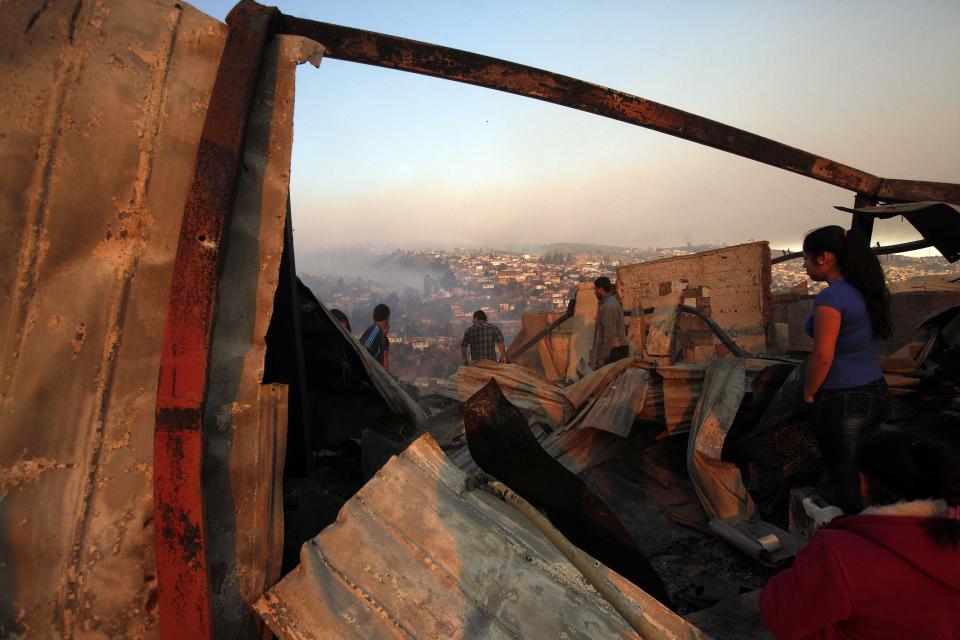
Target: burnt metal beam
{"x":880,"y":251}
{"x":180,"y":529}
{"x":863,"y":224}
{"x":722,"y":336}
{"x":519,"y":351}
{"x":367,"y":47}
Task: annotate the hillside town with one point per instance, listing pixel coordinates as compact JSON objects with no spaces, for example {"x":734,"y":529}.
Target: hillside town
{"x":427,"y":322}
{"x":250,"y":389}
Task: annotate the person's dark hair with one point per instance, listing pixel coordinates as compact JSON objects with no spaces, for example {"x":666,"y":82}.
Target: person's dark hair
{"x":604,"y":283}
{"x":859,"y":266}
{"x":902,"y":466}
{"x":480,"y":315}
{"x":381,"y":312}
{"x":341,"y":318}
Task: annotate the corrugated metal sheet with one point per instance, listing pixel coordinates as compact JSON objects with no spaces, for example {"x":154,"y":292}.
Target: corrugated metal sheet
{"x":616,"y":407}
{"x":719,"y":484}
{"x":245,"y":422}
{"x":101,"y":123}
{"x":102,"y":109}
{"x":601,"y":429}
{"x":540,"y":400}
{"x":416,"y":554}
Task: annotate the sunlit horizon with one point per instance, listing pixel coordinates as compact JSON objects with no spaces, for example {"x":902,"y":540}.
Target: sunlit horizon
{"x":408,"y":161}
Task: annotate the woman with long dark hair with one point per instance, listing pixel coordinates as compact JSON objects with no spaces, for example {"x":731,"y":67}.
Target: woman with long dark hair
{"x":844,"y":383}
{"x":893,"y":571}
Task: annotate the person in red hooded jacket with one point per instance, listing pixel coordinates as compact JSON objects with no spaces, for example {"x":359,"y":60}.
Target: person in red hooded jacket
{"x":892,"y":571}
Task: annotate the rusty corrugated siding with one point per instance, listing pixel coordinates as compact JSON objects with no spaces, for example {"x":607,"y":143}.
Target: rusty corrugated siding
{"x":244,"y":421}
{"x":103,"y":104}
{"x":415,"y":554}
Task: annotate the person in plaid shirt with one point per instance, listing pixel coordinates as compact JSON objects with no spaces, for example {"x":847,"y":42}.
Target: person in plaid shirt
{"x":483,"y":339}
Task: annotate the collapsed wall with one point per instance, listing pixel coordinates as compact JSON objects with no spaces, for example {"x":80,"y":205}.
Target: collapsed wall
{"x":730,"y":285}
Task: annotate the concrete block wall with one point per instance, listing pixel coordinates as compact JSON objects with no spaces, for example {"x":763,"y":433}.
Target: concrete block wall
{"x":908,"y":309}
{"x":731,"y":285}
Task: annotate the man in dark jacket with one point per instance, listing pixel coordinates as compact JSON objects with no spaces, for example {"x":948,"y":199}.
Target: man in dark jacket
{"x":611,"y":340}
{"x":375,"y":338}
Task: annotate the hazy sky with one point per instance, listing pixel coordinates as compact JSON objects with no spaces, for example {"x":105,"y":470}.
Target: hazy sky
{"x":398,"y":159}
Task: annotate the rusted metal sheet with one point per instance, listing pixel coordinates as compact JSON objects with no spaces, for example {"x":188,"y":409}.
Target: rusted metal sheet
{"x":600,"y":431}
{"x":937,"y":222}
{"x":181,"y":546}
{"x":616,"y":407}
{"x":501,"y":444}
{"x":97,"y":150}
{"x":245,"y":422}
{"x":417,"y":553}
{"x":381,"y":50}
{"x":540,"y":400}
{"x":719,"y":484}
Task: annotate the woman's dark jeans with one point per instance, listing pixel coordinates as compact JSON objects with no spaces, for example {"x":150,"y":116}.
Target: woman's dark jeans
{"x":841,"y":415}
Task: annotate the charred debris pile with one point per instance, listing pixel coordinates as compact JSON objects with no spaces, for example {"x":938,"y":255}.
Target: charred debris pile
{"x":181,"y":419}
{"x":682,"y":468}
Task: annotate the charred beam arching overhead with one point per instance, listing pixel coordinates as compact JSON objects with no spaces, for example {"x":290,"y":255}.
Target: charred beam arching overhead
{"x":356,"y":45}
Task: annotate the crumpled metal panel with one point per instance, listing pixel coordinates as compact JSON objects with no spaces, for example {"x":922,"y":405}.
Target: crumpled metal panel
{"x":501,"y":444}
{"x":617,"y":406}
{"x":540,"y":400}
{"x":416,"y":554}
{"x":245,"y":421}
{"x":719,"y":484}
{"x":938,"y":222}
{"x":101,"y":117}
{"x":600,"y":431}
{"x":397,"y":400}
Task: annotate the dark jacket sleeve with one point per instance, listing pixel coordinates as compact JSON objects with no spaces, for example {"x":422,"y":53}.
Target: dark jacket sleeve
{"x":811,"y":596}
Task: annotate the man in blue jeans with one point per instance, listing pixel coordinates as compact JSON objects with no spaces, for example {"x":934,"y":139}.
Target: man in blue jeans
{"x":483,"y":339}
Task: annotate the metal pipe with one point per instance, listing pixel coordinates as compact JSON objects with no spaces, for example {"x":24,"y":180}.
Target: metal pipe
{"x":717,"y":331}
{"x":540,"y":336}
{"x":880,"y":251}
